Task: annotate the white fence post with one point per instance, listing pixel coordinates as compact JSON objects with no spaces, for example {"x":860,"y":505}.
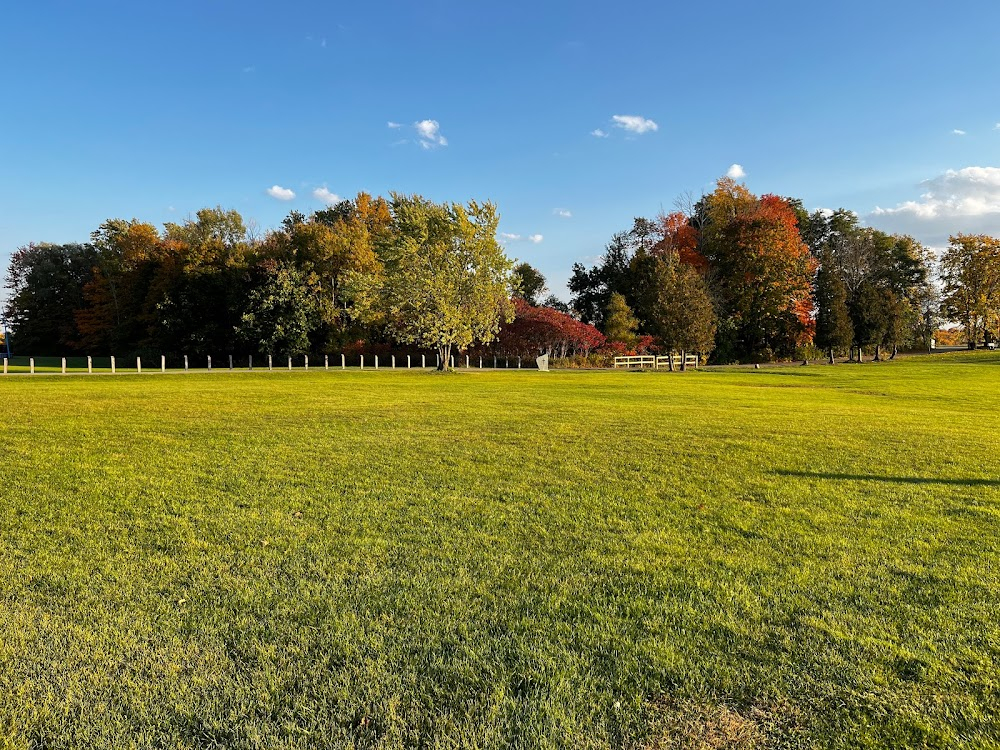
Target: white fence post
{"x":494,"y":363}
{"x":393,"y":361}
{"x":185,"y":363}
{"x":343,"y":362}
{"x":376,"y":361}
{"x":270,"y":362}
{"x":480,"y":363}
{"x":362,"y":361}
{"x":230,"y":361}
{"x":452,"y":358}
{"x":518,"y":363}
{"x":138,"y":365}
{"x":423,"y":360}
{"x":209,"y":362}
{"x":112,"y":365}
{"x":307,"y":361}
{"x":63,"y":365}
{"x":90,"y":366}
{"x":163,"y":363}
{"x":4,"y":365}
{"x":466,"y":361}
{"x":326,"y":361}
{"x":31,"y":365}
{"x":289,"y":363}
{"x":407,"y":361}
{"x":250,"y":362}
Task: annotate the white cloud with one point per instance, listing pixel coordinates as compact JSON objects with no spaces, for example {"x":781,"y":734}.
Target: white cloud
{"x":280,"y":193}
{"x":635,"y":124}
{"x":394,"y":125}
{"x":249,"y":69}
{"x":962,"y":200}
{"x":429,"y":132}
{"x":563,"y":213}
{"x":598,"y":133}
{"x":511,"y":237}
{"x":956,"y":131}
{"x":323,"y":194}
{"x":736,"y":172}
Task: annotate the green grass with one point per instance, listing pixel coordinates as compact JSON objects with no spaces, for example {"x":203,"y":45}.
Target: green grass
{"x":794,"y":557}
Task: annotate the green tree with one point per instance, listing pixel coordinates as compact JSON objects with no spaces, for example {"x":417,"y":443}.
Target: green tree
{"x":834,"y":330}
{"x":279,"y":311}
{"x":679,"y":309}
{"x":46,"y":284}
{"x":530,"y":283}
{"x":448,"y":282}
{"x":619,"y":323}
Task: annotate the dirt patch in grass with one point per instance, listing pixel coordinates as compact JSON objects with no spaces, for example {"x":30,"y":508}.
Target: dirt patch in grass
{"x":690,"y":725}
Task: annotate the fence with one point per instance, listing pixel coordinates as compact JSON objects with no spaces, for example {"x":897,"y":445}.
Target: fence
{"x":144,"y":364}
{"x":641,"y":361}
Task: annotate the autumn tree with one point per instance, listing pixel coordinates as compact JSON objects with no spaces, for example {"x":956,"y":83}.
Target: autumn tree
{"x":448,"y":283}
{"x":970,"y":272}
{"x":760,"y":270}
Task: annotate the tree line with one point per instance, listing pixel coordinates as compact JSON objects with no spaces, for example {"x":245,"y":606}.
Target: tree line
{"x":733,"y":275}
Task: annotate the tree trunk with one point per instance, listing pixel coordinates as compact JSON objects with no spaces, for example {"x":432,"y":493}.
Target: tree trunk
{"x":833,"y":361}
{"x":444,"y":353}
{"x":878,"y":353}
{"x":670,"y":360}
{"x":895,"y":351}
{"x":684,"y":361}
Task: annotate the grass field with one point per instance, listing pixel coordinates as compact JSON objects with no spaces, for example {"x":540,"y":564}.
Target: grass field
{"x":796,"y":557}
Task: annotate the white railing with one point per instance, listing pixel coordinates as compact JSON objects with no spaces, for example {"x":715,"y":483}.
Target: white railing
{"x":639,"y":361}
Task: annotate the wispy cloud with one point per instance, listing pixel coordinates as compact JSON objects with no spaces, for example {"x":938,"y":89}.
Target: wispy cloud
{"x":394,"y":125}
{"x":280,"y":193}
{"x":563,"y":213}
{"x":598,"y":133}
{"x":736,"y":172}
{"x":635,"y":124}
{"x":956,"y":131}
{"x":511,"y":237}
{"x":429,"y":133}
{"x":323,"y":194}
{"x":250,"y":69}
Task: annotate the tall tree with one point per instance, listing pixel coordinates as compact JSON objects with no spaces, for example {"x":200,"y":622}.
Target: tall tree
{"x":448,"y":282}
{"x":530,"y":283}
{"x":761,"y":270}
{"x":278,"y":313}
{"x":679,"y":308}
{"x":970,"y":272}
{"x":46,"y":284}
{"x":834,"y":330}
{"x":619,"y":323}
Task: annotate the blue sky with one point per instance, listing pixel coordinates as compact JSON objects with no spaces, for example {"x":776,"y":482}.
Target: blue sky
{"x":153,"y":110}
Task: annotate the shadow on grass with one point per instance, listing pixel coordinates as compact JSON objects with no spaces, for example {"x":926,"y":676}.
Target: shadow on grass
{"x":893,"y":480}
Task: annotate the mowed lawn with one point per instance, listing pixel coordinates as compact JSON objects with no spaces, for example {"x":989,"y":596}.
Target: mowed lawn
{"x":790,"y":557}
